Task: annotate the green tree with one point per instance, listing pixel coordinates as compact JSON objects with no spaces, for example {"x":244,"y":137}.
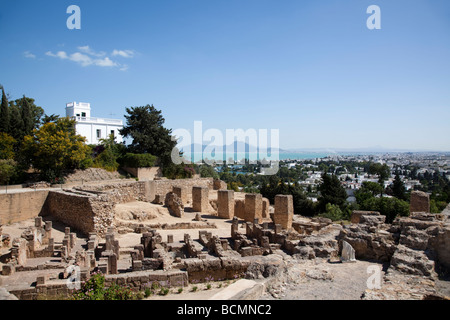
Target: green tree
{"x":4,"y":114}
{"x":331,"y":191}
{"x":145,"y":126}
{"x":6,"y":146}
{"x":24,"y":117}
{"x":382,"y":170}
{"x":302,"y":205}
{"x":208,"y":171}
{"x":333,"y":212}
{"x":108,"y":154}
{"x":55,"y":147}
{"x":8,"y":169}
{"x":390,"y":207}
{"x":368,"y":190}
{"x":398,"y":188}
{"x":27,"y":116}
{"x":15,"y":123}
{"x":49,"y":118}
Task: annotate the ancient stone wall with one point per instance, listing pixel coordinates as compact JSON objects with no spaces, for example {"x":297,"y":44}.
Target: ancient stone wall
{"x":20,"y":206}
{"x":137,"y":281}
{"x":74,"y":210}
{"x":164,"y":186}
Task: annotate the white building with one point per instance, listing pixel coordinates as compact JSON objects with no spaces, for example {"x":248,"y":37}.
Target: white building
{"x":93,"y":129}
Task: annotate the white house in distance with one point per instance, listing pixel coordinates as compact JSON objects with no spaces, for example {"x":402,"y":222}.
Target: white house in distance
{"x":93,"y":129}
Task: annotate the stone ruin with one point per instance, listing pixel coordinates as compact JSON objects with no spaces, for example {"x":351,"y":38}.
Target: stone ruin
{"x":419,"y":202}
{"x":416,"y":245}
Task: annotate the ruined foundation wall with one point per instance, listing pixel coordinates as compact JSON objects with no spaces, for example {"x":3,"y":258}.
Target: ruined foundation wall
{"x":163,"y":187}
{"x":20,"y":206}
{"x":73,"y":210}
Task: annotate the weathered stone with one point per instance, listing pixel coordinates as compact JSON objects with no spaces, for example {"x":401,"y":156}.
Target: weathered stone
{"x":348,"y":253}
{"x":200,"y":201}
{"x":225,"y":204}
{"x":174,"y":204}
{"x":219,"y":185}
{"x":419,"y":202}
{"x":253,"y":206}
{"x":284,"y":211}
{"x":239,"y":208}
{"x":356,"y":215}
{"x":182,"y":193}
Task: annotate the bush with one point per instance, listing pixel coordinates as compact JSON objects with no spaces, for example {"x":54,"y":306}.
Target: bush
{"x":390,"y":207}
{"x":133,"y":160}
{"x":333,"y":212}
{"x":94,"y":289}
{"x":106,"y":160}
{"x":179,"y":171}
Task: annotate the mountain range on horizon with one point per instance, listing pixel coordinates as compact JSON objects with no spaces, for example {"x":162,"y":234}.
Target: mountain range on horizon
{"x":372,"y":149}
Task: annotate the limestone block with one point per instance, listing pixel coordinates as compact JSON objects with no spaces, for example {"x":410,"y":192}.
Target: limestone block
{"x":239,"y":209}
{"x":200,"y":201}
{"x":348,"y":253}
{"x":253,"y":206}
{"x":265,"y":208}
{"x":174,"y":204}
{"x":357,"y":214}
{"x":419,"y":202}
{"x":225,"y":204}
{"x":284,"y":211}
{"x":182,"y":193}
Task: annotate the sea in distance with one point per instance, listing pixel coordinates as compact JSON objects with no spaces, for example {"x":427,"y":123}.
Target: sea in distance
{"x":197,"y":157}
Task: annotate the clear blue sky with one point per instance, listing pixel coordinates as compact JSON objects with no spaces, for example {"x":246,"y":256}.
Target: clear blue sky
{"x":311,"y":69}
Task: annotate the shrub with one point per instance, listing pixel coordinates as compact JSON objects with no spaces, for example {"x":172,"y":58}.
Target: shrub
{"x":332,"y":212}
{"x":390,"y":207}
{"x":133,"y":160}
{"x":94,"y":289}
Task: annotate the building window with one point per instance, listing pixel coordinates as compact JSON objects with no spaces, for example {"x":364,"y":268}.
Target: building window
{"x":112,"y":133}
{"x":83,"y":114}
{"x":99,"y":133}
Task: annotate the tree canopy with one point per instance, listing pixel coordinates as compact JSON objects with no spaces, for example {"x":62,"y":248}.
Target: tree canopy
{"x":331,"y":191}
{"x":55,"y":146}
{"x":145,"y":126}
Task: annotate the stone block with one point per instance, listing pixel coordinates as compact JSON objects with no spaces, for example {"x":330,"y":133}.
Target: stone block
{"x":38,"y":222}
{"x":239,"y":209}
{"x":357,"y":214}
{"x":253,"y":206}
{"x":225,"y":204}
{"x":265,"y":208}
{"x":284,"y":211}
{"x":200,"y":200}
{"x":8,"y":269}
{"x":419,"y":202}
{"x":219,"y":185}
{"x":182,"y":193}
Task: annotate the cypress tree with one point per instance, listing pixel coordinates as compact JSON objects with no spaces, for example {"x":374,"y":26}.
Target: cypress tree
{"x":4,"y":114}
{"x":27,"y":116}
{"x":16,"y":123}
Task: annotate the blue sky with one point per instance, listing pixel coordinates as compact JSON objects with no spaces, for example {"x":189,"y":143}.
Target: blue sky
{"x":311,"y":69}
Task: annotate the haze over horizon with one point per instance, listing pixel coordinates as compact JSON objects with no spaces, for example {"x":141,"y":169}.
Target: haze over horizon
{"x":311,"y":69}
